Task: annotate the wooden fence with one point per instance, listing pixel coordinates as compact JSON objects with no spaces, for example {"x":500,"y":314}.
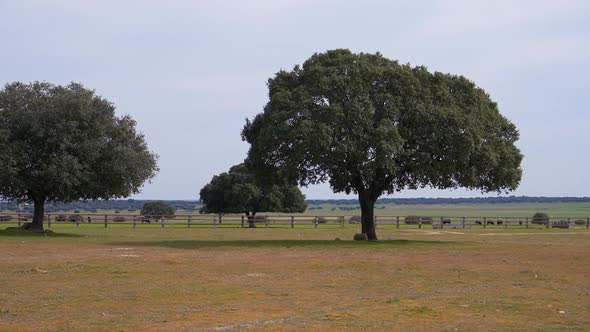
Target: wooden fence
{"x":134,"y":220}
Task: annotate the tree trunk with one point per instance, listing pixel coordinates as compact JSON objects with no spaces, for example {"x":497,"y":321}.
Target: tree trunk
{"x":38,"y":214}
{"x":367,"y":212}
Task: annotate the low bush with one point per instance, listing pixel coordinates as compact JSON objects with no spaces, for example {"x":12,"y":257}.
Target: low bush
{"x":411,"y":220}
{"x":354,"y":220}
{"x":540,"y":218}
{"x":360,"y":237}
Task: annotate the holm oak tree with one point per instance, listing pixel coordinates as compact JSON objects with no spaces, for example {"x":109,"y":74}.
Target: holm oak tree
{"x":370,"y":126}
{"x":240,"y":191}
{"x":65,"y":143}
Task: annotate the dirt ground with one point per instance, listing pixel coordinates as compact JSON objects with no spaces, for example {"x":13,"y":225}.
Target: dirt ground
{"x":213,"y":279}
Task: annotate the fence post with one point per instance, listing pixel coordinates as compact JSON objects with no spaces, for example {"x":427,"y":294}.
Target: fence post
{"x":266,"y":223}
{"x":134,"y":221}
{"x":526,"y":222}
{"x":315,"y":222}
{"x":375,"y":221}
{"x":485,"y":222}
{"x":48,"y":221}
{"x":220,"y":219}
{"x":420,"y":224}
{"x":397,"y":222}
{"x":78,"y":221}
{"x":188,"y":221}
{"x":163,"y":220}
{"x":292,"y":221}
{"x":569,"y":222}
{"x":463,"y":222}
{"x":441,"y":223}
{"x":549,"y":222}
{"x":18,"y":218}
{"x":242,"y":222}
{"x":342,"y":222}
{"x":106,"y":221}
{"x":587,"y":222}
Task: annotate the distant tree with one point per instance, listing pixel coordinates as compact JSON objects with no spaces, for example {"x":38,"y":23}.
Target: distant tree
{"x":64,"y":143}
{"x":540,"y":218}
{"x":239,"y":191}
{"x":370,"y":126}
{"x":157,"y":209}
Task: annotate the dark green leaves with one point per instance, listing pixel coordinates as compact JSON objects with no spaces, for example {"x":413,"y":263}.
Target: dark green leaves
{"x":157,"y":209}
{"x":64,"y":143}
{"x":240,"y":191}
{"x":367,"y":123}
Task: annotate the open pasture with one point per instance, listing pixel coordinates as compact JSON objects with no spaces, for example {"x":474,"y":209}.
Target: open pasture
{"x":228,"y":278}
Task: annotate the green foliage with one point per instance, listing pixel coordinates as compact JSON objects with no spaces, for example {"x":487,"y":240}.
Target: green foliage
{"x":360,"y":237}
{"x":412,"y":220}
{"x":540,"y":218}
{"x":239,"y":191}
{"x":157,"y":209}
{"x":369,"y":125}
{"x":64,"y":143}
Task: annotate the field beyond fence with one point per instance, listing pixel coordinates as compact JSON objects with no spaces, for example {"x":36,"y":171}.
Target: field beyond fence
{"x":293,"y":221}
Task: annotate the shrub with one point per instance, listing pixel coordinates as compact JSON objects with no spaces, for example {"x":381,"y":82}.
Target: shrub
{"x":540,"y":218}
{"x":119,"y":219}
{"x":360,"y":237}
{"x":411,"y":220}
{"x":580,"y":222}
{"x":354,"y":220}
{"x":426,"y":220}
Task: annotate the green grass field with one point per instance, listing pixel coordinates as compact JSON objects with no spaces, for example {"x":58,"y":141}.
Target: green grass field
{"x":227,"y":278}
{"x":523,"y":210}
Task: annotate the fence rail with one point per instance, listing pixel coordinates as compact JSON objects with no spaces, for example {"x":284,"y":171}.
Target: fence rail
{"x":293,"y":220}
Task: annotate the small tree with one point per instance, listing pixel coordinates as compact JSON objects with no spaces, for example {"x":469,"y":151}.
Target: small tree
{"x":540,"y":218}
{"x":157,"y":209}
{"x":239,"y":191}
{"x":370,"y":126}
{"x":64,"y":143}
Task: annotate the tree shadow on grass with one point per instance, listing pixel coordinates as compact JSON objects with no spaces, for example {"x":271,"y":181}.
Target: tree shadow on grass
{"x":203,"y":244}
{"x":17,"y":232}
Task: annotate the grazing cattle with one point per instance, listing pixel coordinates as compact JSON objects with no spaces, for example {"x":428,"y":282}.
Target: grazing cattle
{"x":560,"y":224}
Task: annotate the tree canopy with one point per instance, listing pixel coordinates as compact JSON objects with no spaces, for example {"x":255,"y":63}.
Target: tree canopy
{"x":370,"y":125}
{"x":65,"y":143}
{"x":157,"y":209}
{"x":239,"y":191}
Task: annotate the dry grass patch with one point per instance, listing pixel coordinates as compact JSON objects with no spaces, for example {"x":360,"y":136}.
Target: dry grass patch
{"x":283,"y":279}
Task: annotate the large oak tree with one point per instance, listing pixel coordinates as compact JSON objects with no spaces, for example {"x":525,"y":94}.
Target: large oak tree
{"x":370,"y":126}
{"x":241,"y":191}
{"x":65,"y":143}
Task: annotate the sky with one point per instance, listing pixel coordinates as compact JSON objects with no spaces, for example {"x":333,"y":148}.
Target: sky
{"x":191,"y":72}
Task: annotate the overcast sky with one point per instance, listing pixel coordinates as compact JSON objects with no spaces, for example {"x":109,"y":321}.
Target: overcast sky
{"x":191,"y":72}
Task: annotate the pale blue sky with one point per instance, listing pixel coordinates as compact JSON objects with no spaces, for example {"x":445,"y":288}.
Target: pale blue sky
{"x":190,"y":72}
